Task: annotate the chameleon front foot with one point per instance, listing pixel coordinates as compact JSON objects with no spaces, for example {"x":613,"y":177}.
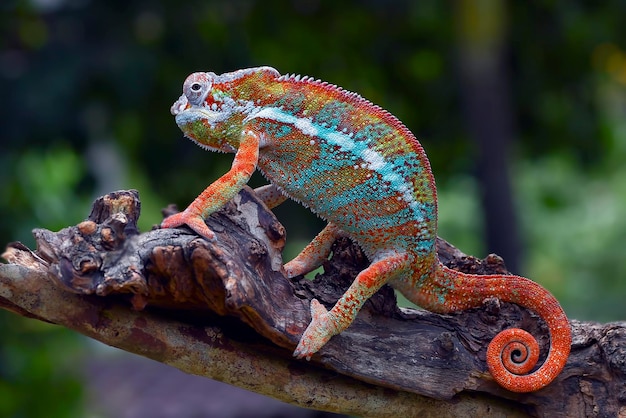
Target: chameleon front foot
{"x":195,"y":222}
{"x":319,"y":331}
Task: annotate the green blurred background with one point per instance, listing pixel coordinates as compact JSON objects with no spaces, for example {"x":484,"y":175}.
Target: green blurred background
{"x":520,"y":106}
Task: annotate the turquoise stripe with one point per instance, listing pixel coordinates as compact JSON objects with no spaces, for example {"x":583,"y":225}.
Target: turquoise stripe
{"x":340,"y":150}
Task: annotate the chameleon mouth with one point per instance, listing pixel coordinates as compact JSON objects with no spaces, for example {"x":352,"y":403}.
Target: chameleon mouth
{"x":180,"y":105}
{"x":188,"y":114}
{"x":185,"y":112}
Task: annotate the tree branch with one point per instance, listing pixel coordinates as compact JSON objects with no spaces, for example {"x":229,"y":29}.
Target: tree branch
{"x":223,"y":310}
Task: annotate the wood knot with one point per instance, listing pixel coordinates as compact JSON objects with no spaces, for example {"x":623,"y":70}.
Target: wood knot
{"x":257,"y":250}
{"x":88,"y":265}
{"x":124,"y":202}
{"x":492,"y":308}
{"x":614,"y":350}
{"x":445,"y":344}
{"x":275,"y":231}
{"x":113,"y":231}
{"x":495,"y":264}
{"x":87,"y":227}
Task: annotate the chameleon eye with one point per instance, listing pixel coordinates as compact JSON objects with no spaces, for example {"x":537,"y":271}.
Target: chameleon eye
{"x":196,"y":87}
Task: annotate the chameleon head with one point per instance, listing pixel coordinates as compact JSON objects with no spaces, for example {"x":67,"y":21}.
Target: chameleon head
{"x":203,"y":114}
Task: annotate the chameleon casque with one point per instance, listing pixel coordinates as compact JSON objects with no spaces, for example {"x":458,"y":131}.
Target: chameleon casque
{"x":358,"y":167}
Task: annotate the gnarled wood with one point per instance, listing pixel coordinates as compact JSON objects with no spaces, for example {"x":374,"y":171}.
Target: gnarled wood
{"x":223,"y":309}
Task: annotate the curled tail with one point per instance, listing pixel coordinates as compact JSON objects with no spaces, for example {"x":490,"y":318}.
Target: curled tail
{"x":513,"y":353}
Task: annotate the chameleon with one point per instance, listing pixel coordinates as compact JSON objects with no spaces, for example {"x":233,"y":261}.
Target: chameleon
{"x":358,"y":167}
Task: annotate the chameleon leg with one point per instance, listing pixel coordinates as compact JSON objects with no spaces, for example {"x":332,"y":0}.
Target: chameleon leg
{"x":324,"y":324}
{"x":220,"y":191}
{"x":313,"y":254}
{"x":270,"y":195}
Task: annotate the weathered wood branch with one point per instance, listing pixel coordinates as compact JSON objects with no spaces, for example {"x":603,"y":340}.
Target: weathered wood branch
{"x":223,"y":310}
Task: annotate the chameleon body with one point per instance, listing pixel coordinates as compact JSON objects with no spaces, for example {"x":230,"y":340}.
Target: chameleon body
{"x":361,"y":169}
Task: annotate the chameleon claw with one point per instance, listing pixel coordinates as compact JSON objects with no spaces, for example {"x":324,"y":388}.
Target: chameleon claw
{"x":319,"y":331}
{"x":194,"y":222}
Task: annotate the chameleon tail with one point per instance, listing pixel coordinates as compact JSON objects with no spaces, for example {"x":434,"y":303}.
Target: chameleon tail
{"x":513,"y":353}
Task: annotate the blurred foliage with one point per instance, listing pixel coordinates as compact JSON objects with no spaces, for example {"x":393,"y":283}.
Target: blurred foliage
{"x":87,"y":88}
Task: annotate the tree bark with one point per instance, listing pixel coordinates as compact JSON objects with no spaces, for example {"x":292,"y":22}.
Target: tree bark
{"x":223,"y":310}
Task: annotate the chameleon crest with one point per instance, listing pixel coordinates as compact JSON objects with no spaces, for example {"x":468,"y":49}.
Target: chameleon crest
{"x":361,"y":169}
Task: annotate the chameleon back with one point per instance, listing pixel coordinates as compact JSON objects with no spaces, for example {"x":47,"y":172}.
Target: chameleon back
{"x":350,"y":162}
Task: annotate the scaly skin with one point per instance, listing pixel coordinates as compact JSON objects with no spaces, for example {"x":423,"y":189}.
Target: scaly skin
{"x":360,"y":168}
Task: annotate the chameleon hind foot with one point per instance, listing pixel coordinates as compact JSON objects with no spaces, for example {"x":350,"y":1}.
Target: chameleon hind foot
{"x":322,"y":327}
